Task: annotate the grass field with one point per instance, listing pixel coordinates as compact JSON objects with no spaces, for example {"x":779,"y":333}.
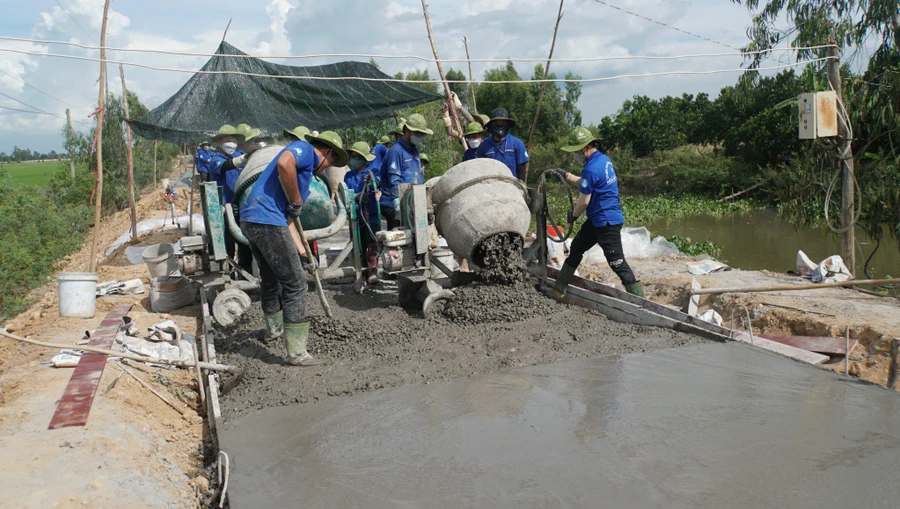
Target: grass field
{"x":32,"y":174}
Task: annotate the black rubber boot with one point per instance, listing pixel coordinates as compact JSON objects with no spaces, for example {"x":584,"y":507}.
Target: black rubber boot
{"x":636,"y":289}
{"x":562,"y":281}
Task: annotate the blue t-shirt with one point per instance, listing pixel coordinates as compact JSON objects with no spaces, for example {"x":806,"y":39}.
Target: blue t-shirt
{"x":401,"y":165}
{"x":379,"y":152}
{"x":215,"y":167}
{"x":356,"y":180}
{"x":231,"y":178}
{"x":469,"y":154}
{"x":509,"y":151}
{"x":598,"y":179}
{"x":202,"y":159}
{"x":267,"y":203}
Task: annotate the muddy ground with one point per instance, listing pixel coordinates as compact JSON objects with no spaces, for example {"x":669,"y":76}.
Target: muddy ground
{"x":372,"y":343}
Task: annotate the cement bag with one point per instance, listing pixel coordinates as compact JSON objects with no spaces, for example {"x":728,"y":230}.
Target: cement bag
{"x":171,"y":292}
{"x":831,"y":270}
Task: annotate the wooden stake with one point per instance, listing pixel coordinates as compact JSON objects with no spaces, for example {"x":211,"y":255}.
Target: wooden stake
{"x":848,"y":238}
{"x":471,"y":81}
{"x":440,"y":67}
{"x":226,"y":29}
{"x":130,"y":156}
{"x":537,"y":111}
{"x":147,"y":386}
{"x":788,"y":288}
{"x":154,"y":164}
{"x":69,"y":147}
{"x":894,"y":368}
{"x":100,"y":104}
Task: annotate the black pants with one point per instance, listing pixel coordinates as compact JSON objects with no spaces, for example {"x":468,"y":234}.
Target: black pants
{"x":244,"y":254}
{"x":282,"y":284}
{"x":610,"y":240}
{"x":390,"y":215}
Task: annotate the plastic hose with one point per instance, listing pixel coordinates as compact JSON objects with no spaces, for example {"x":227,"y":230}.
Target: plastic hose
{"x":542,"y":189}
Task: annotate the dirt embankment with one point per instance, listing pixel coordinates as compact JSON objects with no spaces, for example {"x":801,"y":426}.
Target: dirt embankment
{"x":828,"y":312}
{"x":373,"y":343}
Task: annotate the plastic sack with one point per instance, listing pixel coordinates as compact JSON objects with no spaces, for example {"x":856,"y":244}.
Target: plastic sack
{"x":711,"y":316}
{"x":150,"y":225}
{"x":636,"y":243}
{"x":831,"y":270}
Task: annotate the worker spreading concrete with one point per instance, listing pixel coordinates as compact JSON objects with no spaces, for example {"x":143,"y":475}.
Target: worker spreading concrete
{"x":402,"y":165}
{"x":363,"y":179}
{"x":267,"y":221}
{"x":599,"y":198}
{"x":474,"y":136}
{"x":503,"y":146}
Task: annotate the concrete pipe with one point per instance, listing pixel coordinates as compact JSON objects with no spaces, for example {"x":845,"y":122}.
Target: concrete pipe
{"x":478,"y":199}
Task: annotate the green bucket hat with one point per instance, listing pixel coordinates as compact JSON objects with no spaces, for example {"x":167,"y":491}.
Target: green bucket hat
{"x":424,"y":158}
{"x":484,"y":119}
{"x":399,"y":129}
{"x":332,"y":140}
{"x":473,"y":128}
{"x":248,"y":132}
{"x":227,"y":130}
{"x":416,"y":122}
{"x":362,"y":148}
{"x":579,"y":139}
{"x":298,"y":132}
{"x":384,"y":139}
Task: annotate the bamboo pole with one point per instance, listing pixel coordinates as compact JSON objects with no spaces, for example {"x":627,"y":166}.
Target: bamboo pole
{"x":788,"y":288}
{"x":130,"y":152}
{"x":154,"y":164}
{"x":471,"y":81}
{"x":450,"y":105}
{"x":100,"y":103}
{"x":537,"y":111}
{"x":69,"y":144}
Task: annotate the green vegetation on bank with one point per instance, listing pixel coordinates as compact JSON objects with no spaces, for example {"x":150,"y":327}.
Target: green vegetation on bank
{"x":32,"y":174}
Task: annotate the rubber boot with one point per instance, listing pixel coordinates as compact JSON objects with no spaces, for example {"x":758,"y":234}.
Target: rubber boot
{"x":274,"y":326}
{"x":296,"y":337}
{"x":372,"y":263}
{"x":636,"y":289}
{"x":562,"y":281}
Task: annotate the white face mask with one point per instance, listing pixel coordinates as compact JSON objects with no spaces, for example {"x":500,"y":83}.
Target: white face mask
{"x":473,"y":142}
{"x":229,"y":147}
{"x":579,"y":156}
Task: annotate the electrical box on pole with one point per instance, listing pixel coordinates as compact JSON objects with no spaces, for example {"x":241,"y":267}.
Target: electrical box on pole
{"x":818,"y":115}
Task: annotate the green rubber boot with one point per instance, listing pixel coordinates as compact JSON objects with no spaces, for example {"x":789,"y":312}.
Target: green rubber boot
{"x":274,"y":326}
{"x":562,"y":281}
{"x":296,"y":337}
{"x":636,"y":289}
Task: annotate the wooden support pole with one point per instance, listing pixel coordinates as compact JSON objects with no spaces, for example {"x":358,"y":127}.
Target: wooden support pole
{"x":440,"y":67}
{"x":100,"y":104}
{"x":788,"y":288}
{"x":471,"y":81}
{"x":848,"y":237}
{"x":537,"y":111}
{"x":894,"y":368}
{"x":154,"y":164}
{"x":69,"y":144}
{"x":130,"y":156}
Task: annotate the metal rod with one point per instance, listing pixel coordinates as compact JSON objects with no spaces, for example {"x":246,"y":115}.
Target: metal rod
{"x":847,"y":349}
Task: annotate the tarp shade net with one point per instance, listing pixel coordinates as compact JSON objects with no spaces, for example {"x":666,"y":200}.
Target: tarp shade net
{"x":208,"y":101}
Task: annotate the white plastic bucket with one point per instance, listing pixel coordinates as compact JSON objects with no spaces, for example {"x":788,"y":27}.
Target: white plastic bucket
{"x":445,"y":256}
{"x":160,"y":260}
{"x":77,"y":294}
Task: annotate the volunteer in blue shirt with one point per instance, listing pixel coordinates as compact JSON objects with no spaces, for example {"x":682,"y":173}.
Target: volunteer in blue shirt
{"x":381,"y":149}
{"x":363,"y":178}
{"x":502,"y":146}
{"x":402,"y":165}
{"x":599,"y":197}
{"x":202,"y":158}
{"x":474,"y":137}
{"x":227,"y":140}
{"x":267,"y":220}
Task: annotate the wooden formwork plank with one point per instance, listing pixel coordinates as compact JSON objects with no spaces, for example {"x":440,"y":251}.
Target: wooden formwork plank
{"x":786,"y":350}
{"x":75,"y":405}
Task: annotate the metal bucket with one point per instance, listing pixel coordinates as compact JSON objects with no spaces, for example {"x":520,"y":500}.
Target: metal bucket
{"x":77,"y":294}
{"x":160,"y":260}
{"x":475,"y":200}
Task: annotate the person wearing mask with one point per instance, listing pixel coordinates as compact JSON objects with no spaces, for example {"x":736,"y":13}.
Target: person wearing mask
{"x":402,"y":165}
{"x":502,"y":146}
{"x":202,"y":158}
{"x":227,"y":140}
{"x":381,"y":148}
{"x":474,"y":136}
{"x":364,"y":181}
{"x":267,"y":220}
{"x":599,"y":198}
{"x":232,"y":170}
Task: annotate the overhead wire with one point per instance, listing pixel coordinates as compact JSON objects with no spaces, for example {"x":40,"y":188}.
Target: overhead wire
{"x":73,"y":20}
{"x":664,"y":24}
{"x":41,"y":91}
{"x":417,"y":57}
{"x":26,"y":111}
{"x":396,"y":80}
{"x":26,"y":104}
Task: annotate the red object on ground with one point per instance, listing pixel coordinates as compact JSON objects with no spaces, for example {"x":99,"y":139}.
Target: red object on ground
{"x":75,"y":405}
{"x":823,"y":345}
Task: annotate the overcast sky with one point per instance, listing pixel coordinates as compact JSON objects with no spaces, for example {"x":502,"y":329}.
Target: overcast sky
{"x":495,"y":29}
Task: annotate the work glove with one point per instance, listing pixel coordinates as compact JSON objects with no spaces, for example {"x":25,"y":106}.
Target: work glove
{"x":395,"y":203}
{"x":309,"y":266}
{"x":294,"y":209}
{"x":561,"y":172}
{"x":570,"y":217}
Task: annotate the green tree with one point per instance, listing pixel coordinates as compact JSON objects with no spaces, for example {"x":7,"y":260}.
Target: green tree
{"x":422,"y":76}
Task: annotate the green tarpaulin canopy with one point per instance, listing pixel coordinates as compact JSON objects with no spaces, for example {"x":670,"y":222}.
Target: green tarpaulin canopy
{"x":208,"y":101}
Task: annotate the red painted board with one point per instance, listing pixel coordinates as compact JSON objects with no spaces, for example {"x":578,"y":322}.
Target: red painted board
{"x":75,"y":405}
{"x":823,"y":345}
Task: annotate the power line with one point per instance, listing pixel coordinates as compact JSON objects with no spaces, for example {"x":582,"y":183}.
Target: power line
{"x":41,"y":91}
{"x":26,"y":104}
{"x":665,"y":25}
{"x":394,"y":80}
{"x":73,"y":21}
{"x":416,"y":57}
{"x":26,"y":111}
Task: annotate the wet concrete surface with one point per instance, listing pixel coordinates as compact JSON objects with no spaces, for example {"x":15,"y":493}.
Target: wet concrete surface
{"x":710,"y":425}
{"x":372,"y":343}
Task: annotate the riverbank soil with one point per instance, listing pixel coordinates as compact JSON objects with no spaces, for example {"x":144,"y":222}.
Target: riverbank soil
{"x":827,"y":312}
{"x":135,"y":451}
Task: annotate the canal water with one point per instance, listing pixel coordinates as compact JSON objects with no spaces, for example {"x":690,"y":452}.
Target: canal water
{"x":760,"y":239}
